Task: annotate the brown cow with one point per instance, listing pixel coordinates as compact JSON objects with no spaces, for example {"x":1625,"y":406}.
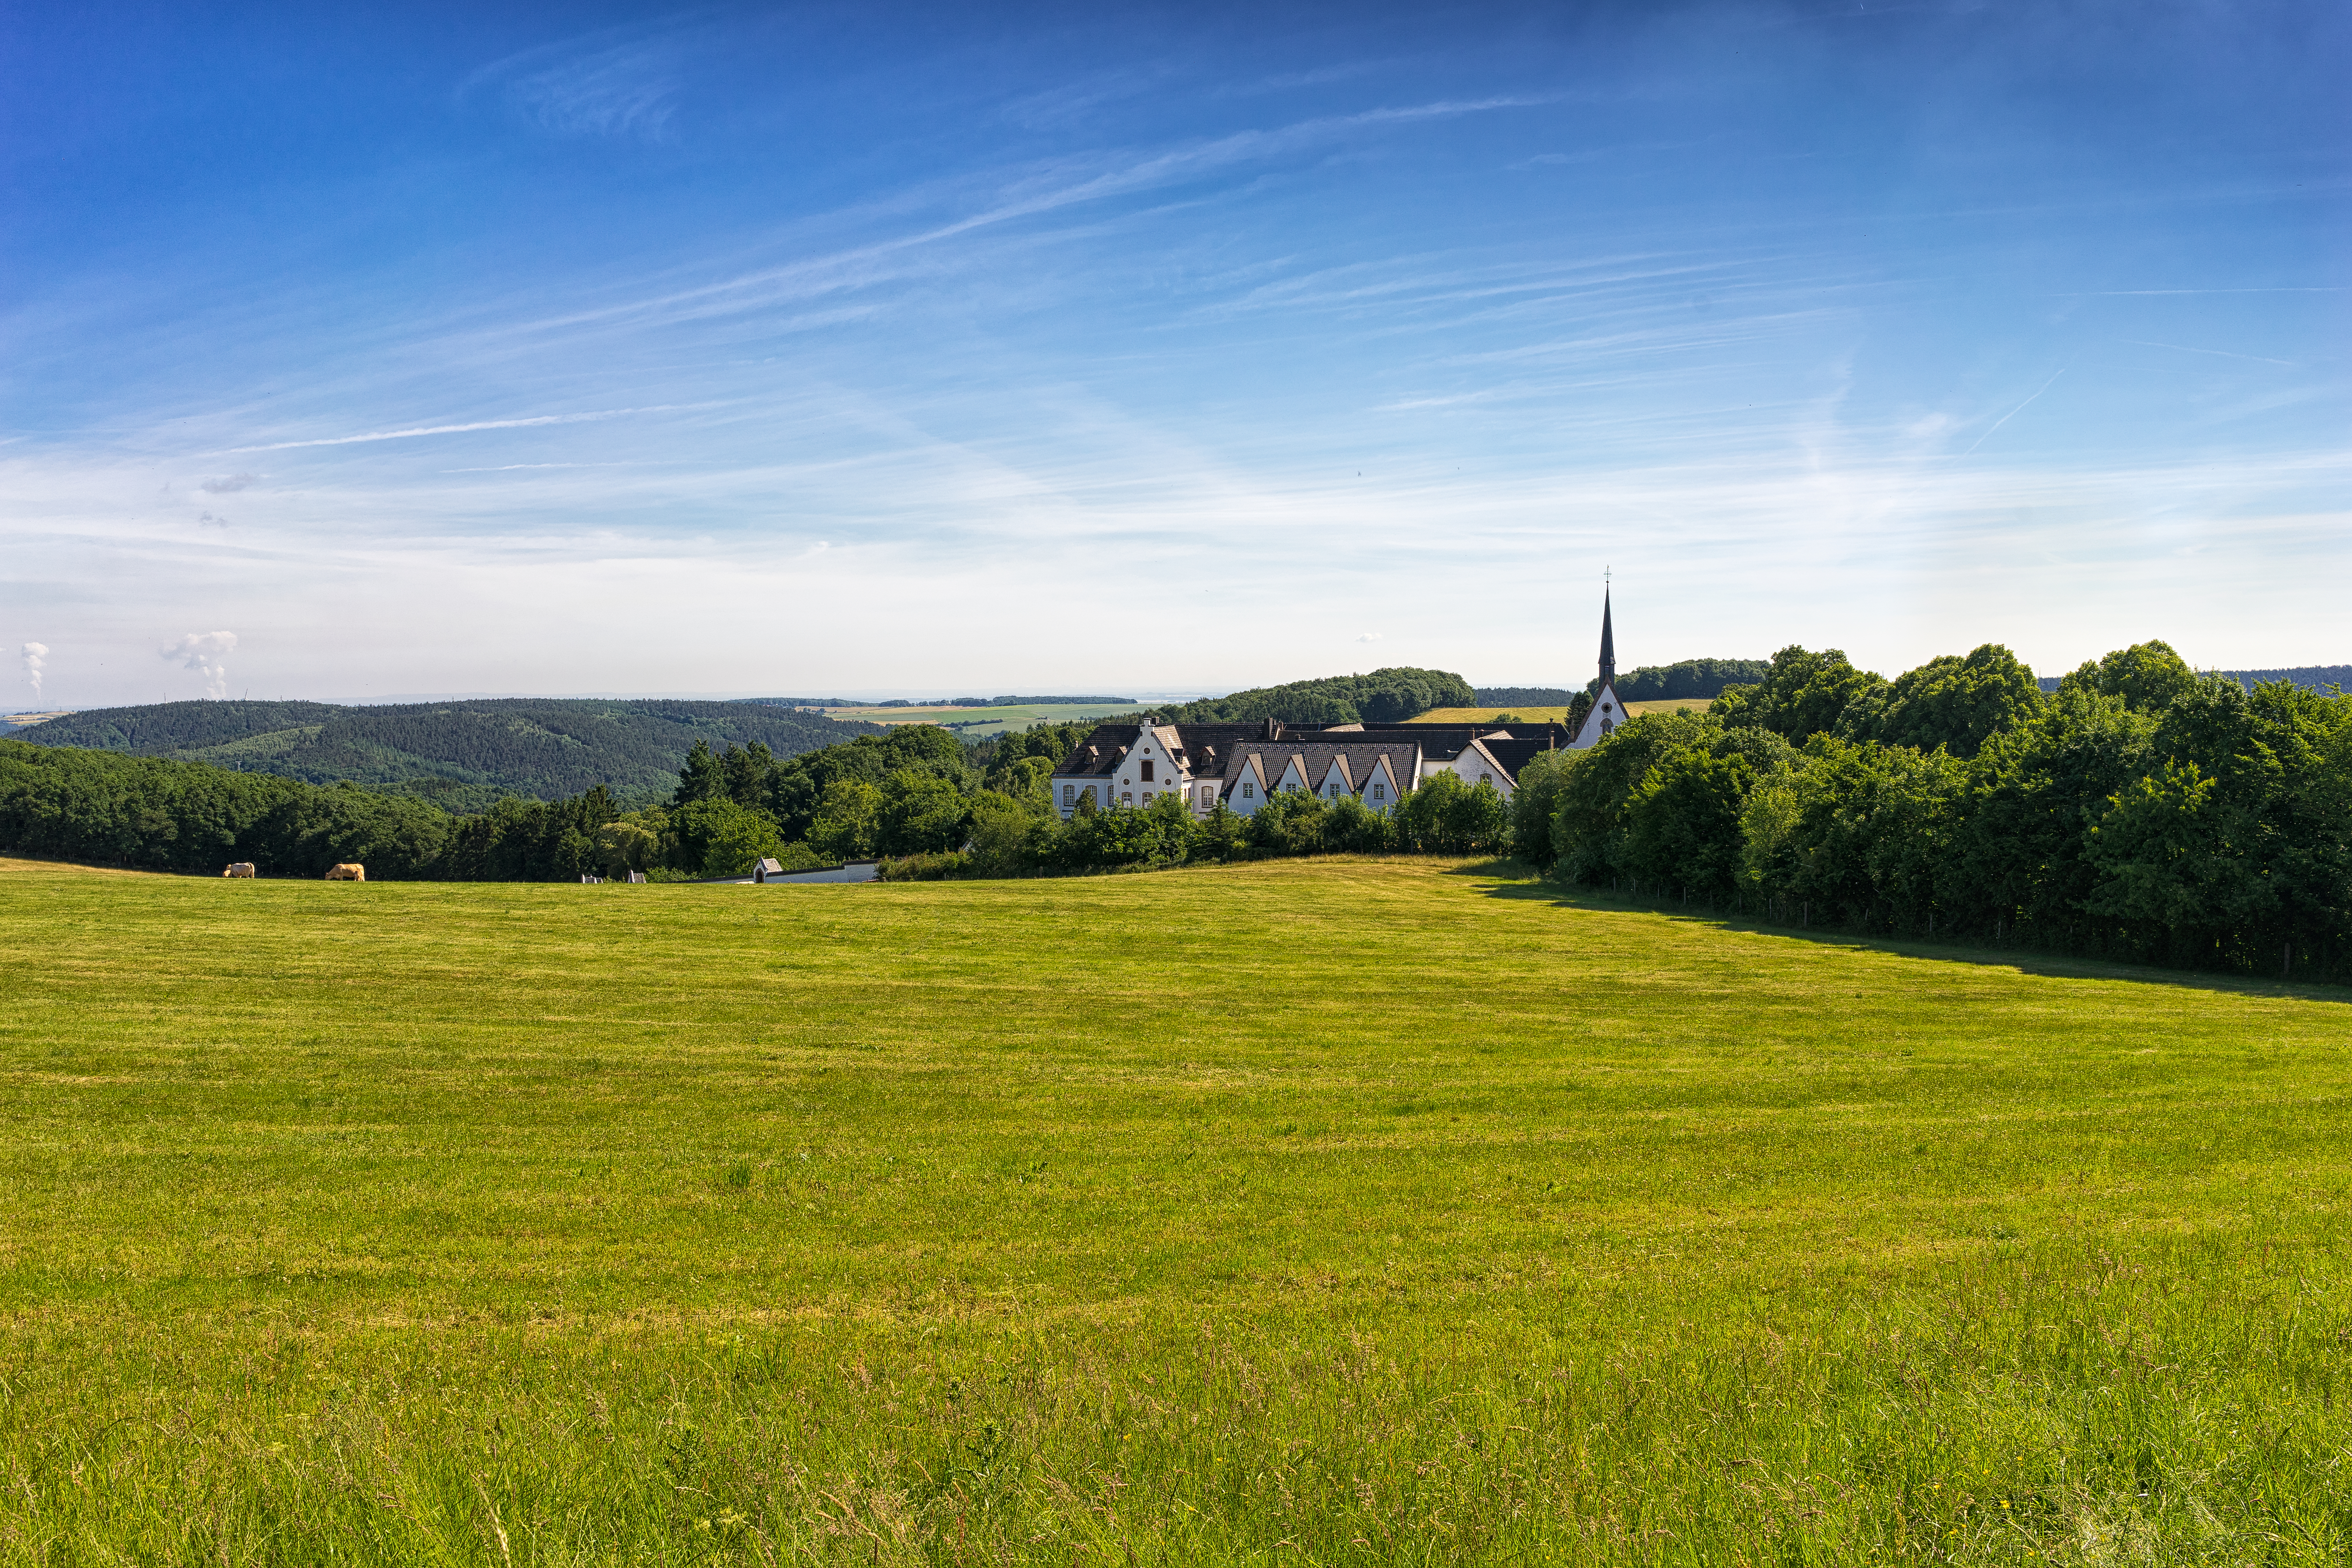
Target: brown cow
{"x":239,"y":869}
{"x":347,"y":872}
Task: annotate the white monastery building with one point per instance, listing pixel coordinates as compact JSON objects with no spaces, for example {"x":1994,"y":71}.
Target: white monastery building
{"x":1241,"y":766}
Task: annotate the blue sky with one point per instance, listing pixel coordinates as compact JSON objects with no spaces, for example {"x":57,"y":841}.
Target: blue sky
{"x":873,"y":349}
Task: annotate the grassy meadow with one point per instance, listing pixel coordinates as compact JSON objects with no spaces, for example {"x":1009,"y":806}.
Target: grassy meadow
{"x":1313,"y":1212}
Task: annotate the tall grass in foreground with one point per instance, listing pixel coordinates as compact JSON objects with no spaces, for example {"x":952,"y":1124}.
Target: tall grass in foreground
{"x":1301,"y":1212}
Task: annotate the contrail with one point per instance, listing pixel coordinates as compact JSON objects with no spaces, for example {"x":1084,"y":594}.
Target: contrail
{"x":2016,"y":411}
{"x":455,"y":430}
{"x":2222,"y":353}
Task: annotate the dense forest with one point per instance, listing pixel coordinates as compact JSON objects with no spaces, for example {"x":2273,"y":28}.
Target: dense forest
{"x":458,"y":756}
{"x":1383,"y":697}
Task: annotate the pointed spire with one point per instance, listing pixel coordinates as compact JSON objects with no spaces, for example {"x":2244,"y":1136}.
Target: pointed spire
{"x":1608,"y":642}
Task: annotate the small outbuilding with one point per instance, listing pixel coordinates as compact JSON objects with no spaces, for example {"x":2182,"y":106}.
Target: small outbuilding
{"x":850,"y":871}
{"x":765,"y":867}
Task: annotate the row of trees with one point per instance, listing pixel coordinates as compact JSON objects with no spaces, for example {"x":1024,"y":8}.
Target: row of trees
{"x":83,"y":804}
{"x":2139,"y":812}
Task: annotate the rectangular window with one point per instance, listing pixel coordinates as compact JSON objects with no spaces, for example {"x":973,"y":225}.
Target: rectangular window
{"x":1147,"y":769}
{"x":1249,"y":792}
{"x":1127,"y":800}
{"x":1380,"y":792}
{"x":1069,"y":795}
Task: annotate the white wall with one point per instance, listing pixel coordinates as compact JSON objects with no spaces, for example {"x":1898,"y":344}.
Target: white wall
{"x":1473,"y":765}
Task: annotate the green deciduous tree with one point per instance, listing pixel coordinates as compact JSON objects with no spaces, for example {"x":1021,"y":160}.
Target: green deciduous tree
{"x":1953,"y":702}
{"x":922,"y":813}
{"x":844,"y":825}
{"x":1802,"y":695}
{"x":717,"y":837}
{"x":2146,"y":676}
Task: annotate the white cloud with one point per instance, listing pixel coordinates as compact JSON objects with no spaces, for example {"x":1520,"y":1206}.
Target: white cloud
{"x":206,"y":652}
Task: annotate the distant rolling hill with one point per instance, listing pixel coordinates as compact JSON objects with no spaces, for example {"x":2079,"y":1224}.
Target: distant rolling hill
{"x":460,"y":755}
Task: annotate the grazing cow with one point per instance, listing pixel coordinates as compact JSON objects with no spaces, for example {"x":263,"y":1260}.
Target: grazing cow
{"x":347,"y":872}
{"x":239,"y":869}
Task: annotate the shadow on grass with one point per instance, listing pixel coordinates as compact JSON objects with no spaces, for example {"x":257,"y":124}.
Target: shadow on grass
{"x":1514,"y":880}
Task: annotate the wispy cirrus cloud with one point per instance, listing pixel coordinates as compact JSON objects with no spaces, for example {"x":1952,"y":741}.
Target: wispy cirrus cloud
{"x":1035,"y":192}
{"x":627,"y":88}
{"x":469,"y":425}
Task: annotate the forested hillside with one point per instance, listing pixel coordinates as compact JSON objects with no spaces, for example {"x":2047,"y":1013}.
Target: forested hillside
{"x":1383,"y":697}
{"x":459,"y":755}
{"x":1691,"y":678}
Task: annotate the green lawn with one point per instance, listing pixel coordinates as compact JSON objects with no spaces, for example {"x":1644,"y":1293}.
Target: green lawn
{"x":1310,"y":1212}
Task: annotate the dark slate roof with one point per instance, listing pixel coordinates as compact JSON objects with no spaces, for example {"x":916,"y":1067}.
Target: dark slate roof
{"x":1358,"y":760}
{"x":1203,"y":748}
{"x":1213,"y":751}
{"x":1444,"y":743}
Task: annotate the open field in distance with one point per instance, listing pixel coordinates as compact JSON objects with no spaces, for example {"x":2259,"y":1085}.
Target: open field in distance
{"x":974,"y":723}
{"x":19,"y":720}
{"x":1337,"y":1211}
{"x":1538,"y":715}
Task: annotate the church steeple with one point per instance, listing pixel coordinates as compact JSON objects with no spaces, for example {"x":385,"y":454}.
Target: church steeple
{"x":1608,"y":642}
